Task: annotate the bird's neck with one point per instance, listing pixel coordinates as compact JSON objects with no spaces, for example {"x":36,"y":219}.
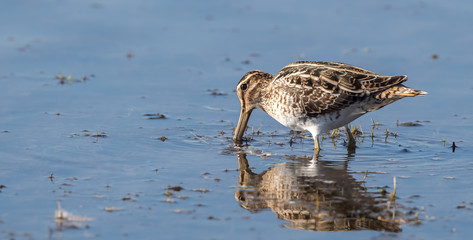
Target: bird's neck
{"x":264,"y":94}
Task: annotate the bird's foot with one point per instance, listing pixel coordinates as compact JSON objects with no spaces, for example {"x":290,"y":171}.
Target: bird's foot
{"x":351,"y":140}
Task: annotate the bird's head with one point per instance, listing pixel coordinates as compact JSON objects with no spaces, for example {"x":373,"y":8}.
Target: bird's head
{"x":250,"y":90}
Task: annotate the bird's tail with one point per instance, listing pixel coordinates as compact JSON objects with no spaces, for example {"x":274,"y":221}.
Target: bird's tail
{"x":391,"y":95}
{"x":409,"y":92}
{"x":399,"y":92}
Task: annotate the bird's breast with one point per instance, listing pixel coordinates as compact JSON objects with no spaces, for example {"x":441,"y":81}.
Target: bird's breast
{"x":290,"y":110}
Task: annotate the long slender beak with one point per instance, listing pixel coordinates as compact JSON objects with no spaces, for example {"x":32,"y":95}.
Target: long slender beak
{"x":241,"y":126}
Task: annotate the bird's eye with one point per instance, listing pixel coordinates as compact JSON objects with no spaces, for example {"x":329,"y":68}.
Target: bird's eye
{"x":244,"y":86}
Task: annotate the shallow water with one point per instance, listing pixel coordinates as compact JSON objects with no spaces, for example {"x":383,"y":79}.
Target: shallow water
{"x":89,"y":144}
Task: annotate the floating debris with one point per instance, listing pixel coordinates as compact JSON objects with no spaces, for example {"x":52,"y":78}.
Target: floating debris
{"x":184,"y":211}
{"x":65,"y":219}
{"x":214,"y":108}
{"x":86,"y":133}
{"x":169,"y":200}
{"x":201,"y":138}
{"x":201,"y":190}
{"x":175,"y":188}
{"x":154,"y":116}
{"x":97,"y":135}
{"x":435,"y":56}
{"x":129,"y":54}
{"x":127,"y":199}
{"x":410,"y":124}
{"x":216,"y":92}
{"x":178,"y":210}
{"x":63,"y":79}
{"x":463,"y":206}
{"x":112,"y":209}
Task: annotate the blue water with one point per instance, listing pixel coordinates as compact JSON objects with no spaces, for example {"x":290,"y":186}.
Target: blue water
{"x":163,"y":57}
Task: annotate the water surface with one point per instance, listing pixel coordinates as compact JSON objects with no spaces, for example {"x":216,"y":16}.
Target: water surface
{"x":88,"y":143}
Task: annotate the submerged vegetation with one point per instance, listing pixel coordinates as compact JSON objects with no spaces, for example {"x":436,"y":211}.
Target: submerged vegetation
{"x":68,"y":79}
{"x":335,"y":136}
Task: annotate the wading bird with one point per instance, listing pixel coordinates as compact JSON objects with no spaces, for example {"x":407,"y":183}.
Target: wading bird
{"x":317,"y":96}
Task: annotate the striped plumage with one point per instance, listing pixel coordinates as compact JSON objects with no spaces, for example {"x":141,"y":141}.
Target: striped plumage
{"x":317,"y":96}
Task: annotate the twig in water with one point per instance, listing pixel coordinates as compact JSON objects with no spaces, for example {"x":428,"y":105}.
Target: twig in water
{"x":199,"y":137}
{"x":366,"y":174}
{"x":393,"y":193}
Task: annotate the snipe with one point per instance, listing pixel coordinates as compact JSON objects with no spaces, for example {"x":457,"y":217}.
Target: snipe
{"x":317,"y":96}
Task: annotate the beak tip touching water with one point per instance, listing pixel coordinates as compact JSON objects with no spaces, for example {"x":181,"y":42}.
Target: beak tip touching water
{"x":241,"y":126}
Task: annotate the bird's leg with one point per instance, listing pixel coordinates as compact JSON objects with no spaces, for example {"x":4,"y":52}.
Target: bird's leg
{"x":316,"y":146}
{"x":351,"y":139}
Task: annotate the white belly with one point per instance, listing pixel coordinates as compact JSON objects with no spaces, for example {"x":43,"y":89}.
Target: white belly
{"x":321,"y":123}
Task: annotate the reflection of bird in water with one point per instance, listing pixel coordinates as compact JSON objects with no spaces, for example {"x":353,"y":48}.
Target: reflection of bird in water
{"x":318,"y":196}
{"x":317,"y":96}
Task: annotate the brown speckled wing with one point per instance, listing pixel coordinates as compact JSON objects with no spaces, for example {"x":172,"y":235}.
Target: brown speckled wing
{"x":321,"y":87}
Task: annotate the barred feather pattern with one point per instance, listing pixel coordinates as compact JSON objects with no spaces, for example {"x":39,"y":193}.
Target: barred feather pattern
{"x":320,"y":96}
